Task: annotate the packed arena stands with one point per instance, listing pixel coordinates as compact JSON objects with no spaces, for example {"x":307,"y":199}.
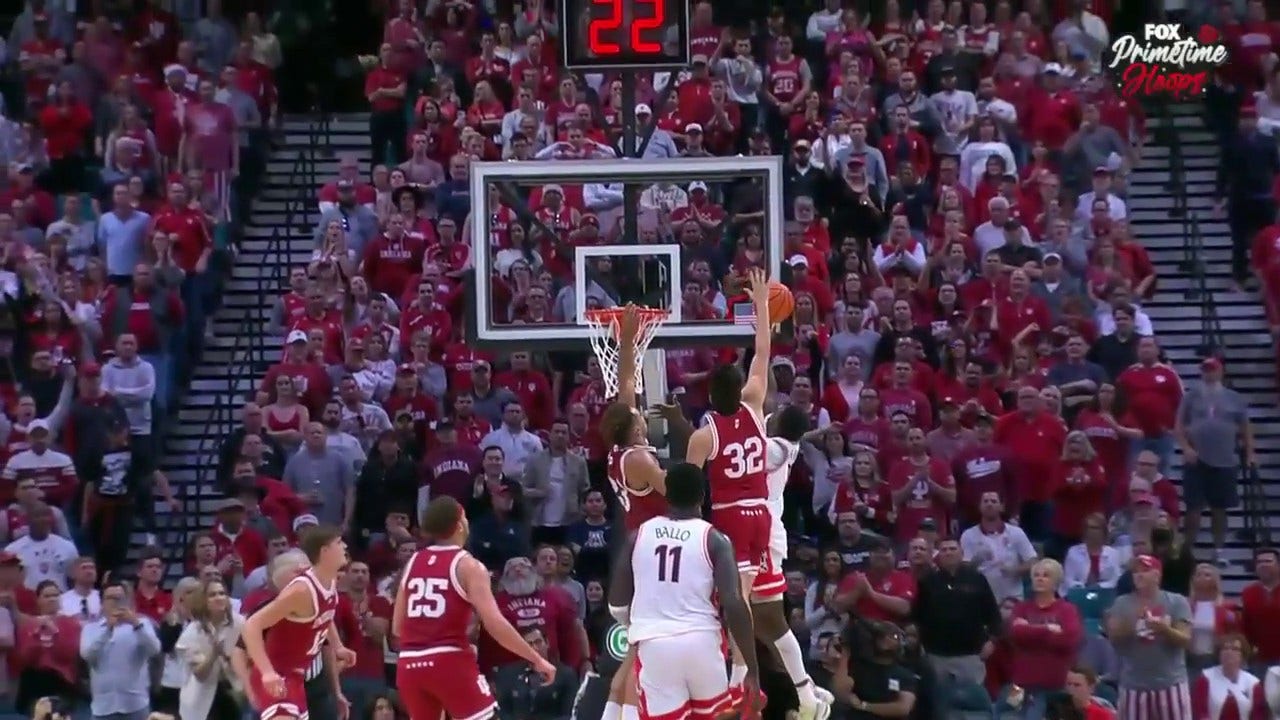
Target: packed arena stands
{"x":237,"y":259}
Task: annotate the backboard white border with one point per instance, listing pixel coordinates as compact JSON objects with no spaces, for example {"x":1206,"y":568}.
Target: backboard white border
{"x":582,"y":254}
{"x":616,"y":170}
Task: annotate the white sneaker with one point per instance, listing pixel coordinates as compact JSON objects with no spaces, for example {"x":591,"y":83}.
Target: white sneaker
{"x":820,"y":710}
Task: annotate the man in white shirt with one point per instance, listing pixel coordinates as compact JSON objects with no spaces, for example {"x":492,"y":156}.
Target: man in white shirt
{"x":45,"y":556}
{"x":517,"y":443}
{"x":957,"y":109}
{"x":82,"y":601}
{"x":1000,"y":551}
{"x":1105,"y":319}
{"x":1116,"y":209}
{"x":990,"y":235}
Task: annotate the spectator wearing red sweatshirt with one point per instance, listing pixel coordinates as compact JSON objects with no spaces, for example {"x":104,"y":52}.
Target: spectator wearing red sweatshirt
{"x":1034,"y":439}
{"x":1260,"y":608}
{"x":65,"y":124}
{"x":1154,"y":391}
{"x":1079,"y":489}
{"x":1054,"y":110}
{"x":1045,"y":633}
{"x":240,"y":549}
{"x":392,"y":258}
{"x":47,"y":648}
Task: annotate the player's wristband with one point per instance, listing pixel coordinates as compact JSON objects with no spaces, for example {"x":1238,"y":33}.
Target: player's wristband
{"x":621,"y":614}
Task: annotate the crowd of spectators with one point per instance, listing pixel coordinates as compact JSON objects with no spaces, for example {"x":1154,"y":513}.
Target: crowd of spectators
{"x":983,"y":520}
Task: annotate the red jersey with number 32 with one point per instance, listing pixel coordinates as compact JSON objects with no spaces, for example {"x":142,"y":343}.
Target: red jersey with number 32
{"x":736,"y":468}
{"x":637,"y":505}
{"x":293,"y":644}
{"x":437,"y":610}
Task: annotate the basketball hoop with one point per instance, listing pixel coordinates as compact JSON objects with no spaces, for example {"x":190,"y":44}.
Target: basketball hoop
{"x":604,"y":326}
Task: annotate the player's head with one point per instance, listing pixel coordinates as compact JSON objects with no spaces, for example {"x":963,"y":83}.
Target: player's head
{"x":789,"y":423}
{"x":444,"y":521}
{"x":287,"y":566}
{"x":686,"y":487}
{"x":623,"y":425}
{"x":324,"y":547}
{"x":725,"y":388}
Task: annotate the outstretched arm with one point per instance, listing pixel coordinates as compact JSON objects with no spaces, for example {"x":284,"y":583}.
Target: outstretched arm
{"x":628,"y":327}
{"x":623,"y":587}
{"x":757,"y":385}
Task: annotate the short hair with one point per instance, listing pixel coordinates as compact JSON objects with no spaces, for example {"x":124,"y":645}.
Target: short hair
{"x":1089,"y":674}
{"x":686,"y":486}
{"x":441,"y":517}
{"x":149,"y":552}
{"x":316,"y":539}
{"x":616,"y":422}
{"x":1259,"y":552}
{"x":725,"y":388}
{"x":790,"y":423}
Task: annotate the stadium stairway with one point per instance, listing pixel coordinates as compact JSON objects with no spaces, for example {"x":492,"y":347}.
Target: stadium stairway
{"x":276,"y":235}
{"x":1194,"y":308}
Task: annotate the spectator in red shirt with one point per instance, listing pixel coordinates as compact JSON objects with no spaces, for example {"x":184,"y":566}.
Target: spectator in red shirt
{"x":1260,"y":607}
{"x":923,"y":489}
{"x":149,"y":598}
{"x":239,"y":549}
{"x":1054,"y":110}
{"x":1078,"y":489}
{"x":66,"y":123}
{"x":1034,"y":439}
{"x":1045,"y":632}
{"x":881,"y":592}
{"x":1154,"y":391}
{"x":385,"y":87}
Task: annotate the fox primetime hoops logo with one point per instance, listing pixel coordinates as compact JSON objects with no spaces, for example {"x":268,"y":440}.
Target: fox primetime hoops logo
{"x":1168,"y":60}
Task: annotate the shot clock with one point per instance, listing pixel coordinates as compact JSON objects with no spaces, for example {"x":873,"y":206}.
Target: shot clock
{"x":625,"y":34}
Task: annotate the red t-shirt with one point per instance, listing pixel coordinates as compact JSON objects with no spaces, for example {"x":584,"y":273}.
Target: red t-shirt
{"x":920,"y":503}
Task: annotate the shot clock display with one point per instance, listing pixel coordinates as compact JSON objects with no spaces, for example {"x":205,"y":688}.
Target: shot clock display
{"x":603,"y":34}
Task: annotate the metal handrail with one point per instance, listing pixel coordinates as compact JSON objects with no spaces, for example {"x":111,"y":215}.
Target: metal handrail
{"x":249,"y":350}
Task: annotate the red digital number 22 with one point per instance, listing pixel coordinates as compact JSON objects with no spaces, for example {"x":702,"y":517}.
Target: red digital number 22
{"x":613,"y":21}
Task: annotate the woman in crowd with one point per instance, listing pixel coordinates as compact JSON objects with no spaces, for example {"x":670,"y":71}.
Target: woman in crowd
{"x":1213,"y":617}
{"x":1227,"y":691}
{"x":205,"y":645}
{"x":1044,"y":633}
{"x":819,"y":609}
{"x":173,"y":669}
{"x":1092,"y":562}
{"x":47,"y":652}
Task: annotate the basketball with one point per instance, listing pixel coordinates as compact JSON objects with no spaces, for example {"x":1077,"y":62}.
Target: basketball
{"x":781,"y":302}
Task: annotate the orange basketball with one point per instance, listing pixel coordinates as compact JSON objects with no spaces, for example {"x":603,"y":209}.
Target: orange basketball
{"x":781,"y":302}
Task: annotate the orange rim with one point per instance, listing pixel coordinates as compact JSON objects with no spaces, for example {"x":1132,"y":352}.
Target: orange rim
{"x":611,"y":318}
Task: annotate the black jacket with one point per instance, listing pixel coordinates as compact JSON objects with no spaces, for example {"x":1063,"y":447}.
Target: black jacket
{"x":382,"y":486}
{"x":956,"y":613}
{"x":522,"y":695}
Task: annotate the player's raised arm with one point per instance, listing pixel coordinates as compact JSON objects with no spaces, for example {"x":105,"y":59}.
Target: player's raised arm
{"x":757,"y":385}
{"x":733,"y":607}
{"x":628,"y":327}
{"x":474,"y":579}
{"x":294,"y":600}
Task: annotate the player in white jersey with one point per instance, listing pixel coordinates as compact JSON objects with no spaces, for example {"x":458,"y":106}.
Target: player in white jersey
{"x":782,"y":448}
{"x":665,"y":589}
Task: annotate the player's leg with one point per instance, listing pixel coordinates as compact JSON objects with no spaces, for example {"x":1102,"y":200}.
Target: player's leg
{"x":771,"y":627}
{"x":661,"y":680}
{"x":705,"y":678}
{"x":624,"y":695}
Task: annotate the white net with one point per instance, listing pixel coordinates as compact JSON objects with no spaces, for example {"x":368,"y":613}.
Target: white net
{"x":604,"y":326}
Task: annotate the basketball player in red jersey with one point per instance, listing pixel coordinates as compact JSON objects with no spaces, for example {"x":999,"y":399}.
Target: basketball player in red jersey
{"x":284,"y":637}
{"x":639,"y":483}
{"x":732,"y":448}
{"x":436,"y":670}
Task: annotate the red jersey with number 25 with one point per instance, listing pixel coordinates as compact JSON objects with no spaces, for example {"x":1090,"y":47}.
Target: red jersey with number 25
{"x":637,"y":505}
{"x":736,"y":468}
{"x":437,"y":610}
{"x":293,"y":644}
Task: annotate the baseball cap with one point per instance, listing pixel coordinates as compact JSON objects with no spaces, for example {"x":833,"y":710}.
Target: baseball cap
{"x":1052,"y":257}
{"x":1211,"y":363}
{"x":698,"y":59}
{"x":1102,"y":170}
{"x":345,"y":184}
{"x":90,"y":369}
{"x":643,"y":109}
{"x":552,"y":188}
{"x":1052,"y":69}
{"x":1148,"y":562}
{"x":948,"y":401}
{"x":406,"y":369}
{"x":231,"y":503}
{"x":693,"y":127}
{"x":305,"y":520}
{"x":697,"y":185}
{"x":296,"y":336}
{"x":783,"y":361}
{"x":802,"y":143}
{"x":37,"y":424}
{"x":798,"y":260}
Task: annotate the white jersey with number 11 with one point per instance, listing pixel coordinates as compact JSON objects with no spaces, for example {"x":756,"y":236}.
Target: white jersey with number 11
{"x":674,"y":580}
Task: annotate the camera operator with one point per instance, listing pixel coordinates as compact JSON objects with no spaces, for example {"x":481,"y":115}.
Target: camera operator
{"x":870,"y":679}
{"x":521,"y":693}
